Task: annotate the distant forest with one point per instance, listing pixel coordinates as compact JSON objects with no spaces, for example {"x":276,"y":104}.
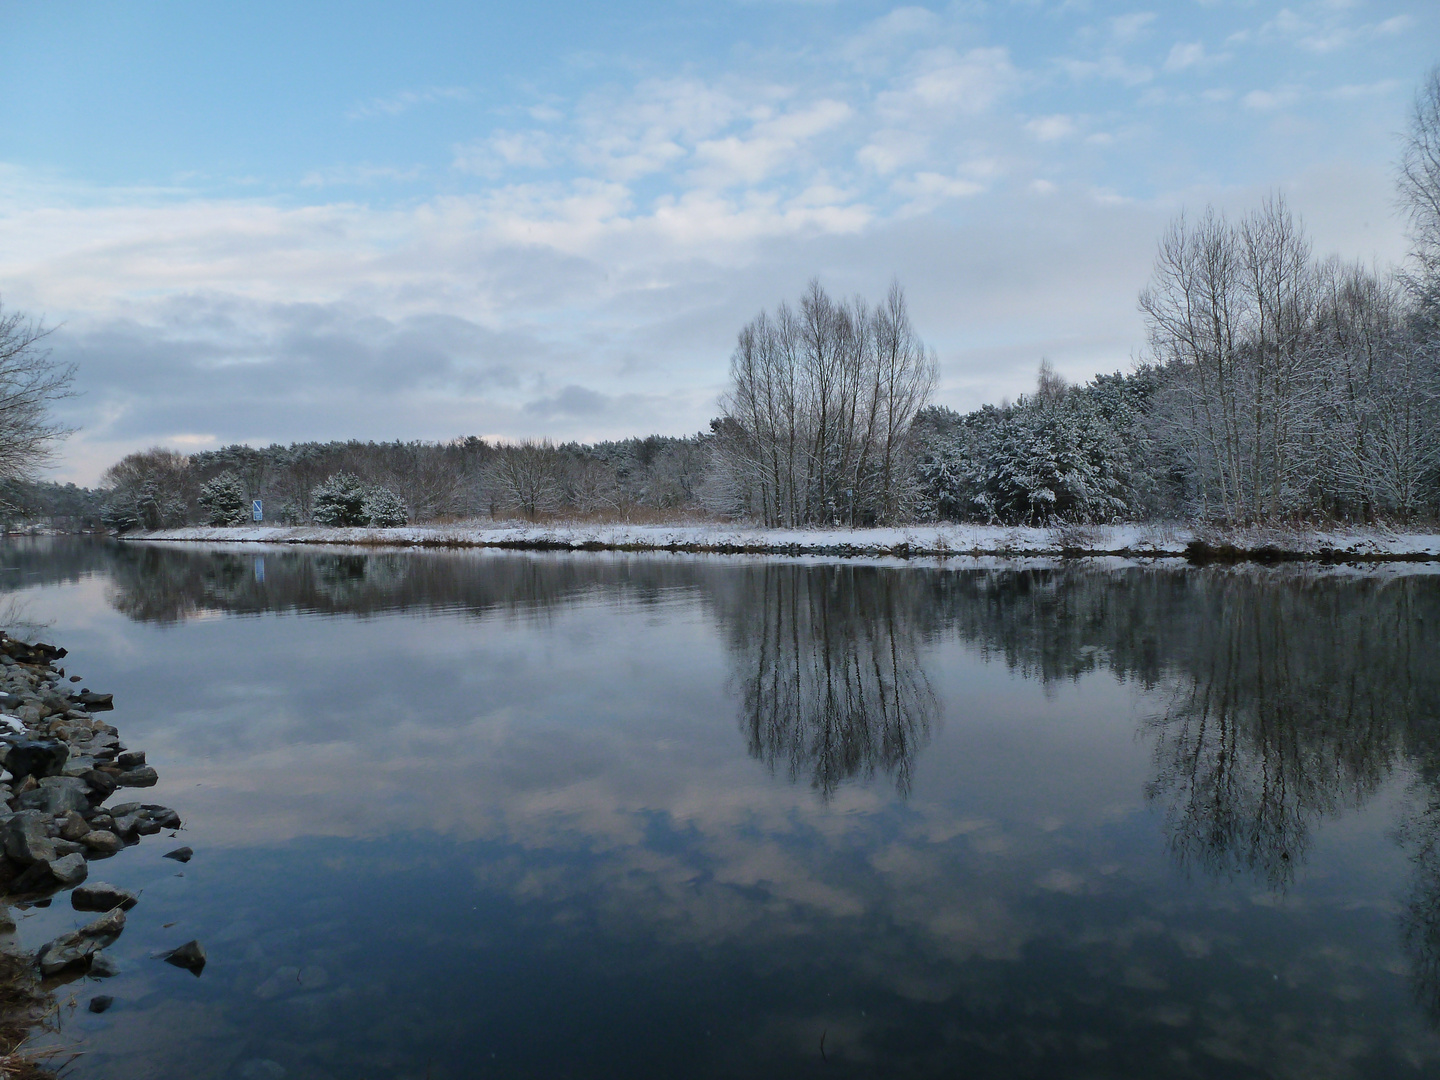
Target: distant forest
{"x":1276,"y":387}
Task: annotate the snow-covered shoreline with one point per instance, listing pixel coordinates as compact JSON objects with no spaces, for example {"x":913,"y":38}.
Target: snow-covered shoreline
{"x":1131,"y":541}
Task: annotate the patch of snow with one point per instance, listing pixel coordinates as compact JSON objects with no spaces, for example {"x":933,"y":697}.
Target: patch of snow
{"x":1130,"y":541}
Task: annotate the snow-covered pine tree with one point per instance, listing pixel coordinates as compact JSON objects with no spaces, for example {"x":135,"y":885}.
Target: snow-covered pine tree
{"x":340,"y":500}
{"x":224,"y":500}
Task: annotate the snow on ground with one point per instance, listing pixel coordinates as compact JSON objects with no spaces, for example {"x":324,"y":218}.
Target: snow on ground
{"x":1152,"y":541}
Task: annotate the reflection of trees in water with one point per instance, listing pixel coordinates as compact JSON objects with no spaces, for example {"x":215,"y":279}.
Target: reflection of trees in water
{"x":828,"y":661}
{"x":828,"y":656}
{"x":1289,"y":696}
{"x":168,"y":585}
{"x":1420,"y":914}
{"x":1419,"y":836}
{"x":27,"y":561}
{"x":1291,"y":705}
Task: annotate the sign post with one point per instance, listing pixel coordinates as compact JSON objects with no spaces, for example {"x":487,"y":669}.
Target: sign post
{"x":257,"y":509}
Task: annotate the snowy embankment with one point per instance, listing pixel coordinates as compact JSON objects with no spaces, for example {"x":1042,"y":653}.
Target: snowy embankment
{"x":1132,"y":541}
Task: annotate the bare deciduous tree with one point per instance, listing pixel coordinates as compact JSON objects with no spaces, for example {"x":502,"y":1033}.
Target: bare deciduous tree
{"x":528,"y":478}
{"x":30,"y":382}
{"x":1231,"y":312}
{"x":154,"y":489}
{"x":816,"y":424}
{"x":1419,"y":178}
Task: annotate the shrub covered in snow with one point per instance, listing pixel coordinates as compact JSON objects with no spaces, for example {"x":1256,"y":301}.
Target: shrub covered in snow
{"x":384,"y":509}
{"x":346,"y":500}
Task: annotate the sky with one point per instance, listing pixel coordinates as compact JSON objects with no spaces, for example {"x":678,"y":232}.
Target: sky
{"x":268,"y":222}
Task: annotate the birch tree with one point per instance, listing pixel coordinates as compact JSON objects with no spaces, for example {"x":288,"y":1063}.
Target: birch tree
{"x":816,"y":424}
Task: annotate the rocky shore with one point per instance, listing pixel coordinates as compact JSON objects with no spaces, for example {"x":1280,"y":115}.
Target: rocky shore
{"x":66,"y":801}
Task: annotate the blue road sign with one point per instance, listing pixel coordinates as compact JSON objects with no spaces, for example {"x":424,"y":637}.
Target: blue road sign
{"x":257,"y":509}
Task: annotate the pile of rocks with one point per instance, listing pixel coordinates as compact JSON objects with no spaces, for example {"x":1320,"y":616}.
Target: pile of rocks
{"x":63,"y":764}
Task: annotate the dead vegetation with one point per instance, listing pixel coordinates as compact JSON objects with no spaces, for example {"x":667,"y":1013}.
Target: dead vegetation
{"x":27,"y":1009}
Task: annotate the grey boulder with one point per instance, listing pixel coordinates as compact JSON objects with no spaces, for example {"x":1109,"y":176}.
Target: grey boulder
{"x":78,"y":946}
{"x":100,"y":896}
{"x":27,"y":839}
{"x":102,"y":842}
{"x":69,"y":869}
{"x":144,"y":776}
{"x":36,"y":757}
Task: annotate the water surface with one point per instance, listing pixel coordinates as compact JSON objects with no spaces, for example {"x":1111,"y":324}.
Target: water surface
{"x":602,"y":815}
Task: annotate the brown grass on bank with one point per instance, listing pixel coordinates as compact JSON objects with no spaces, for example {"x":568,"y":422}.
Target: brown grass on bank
{"x":627,"y":515}
{"x":26,"y":1009}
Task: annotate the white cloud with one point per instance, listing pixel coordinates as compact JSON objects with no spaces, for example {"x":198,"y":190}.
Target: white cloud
{"x":1109,"y":67}
{"x":1051,"y":128}
{"x":504,"y":151}
{"x":1395,"y":25}
{"x":874,"y":46}
{"x":1350,"y":92}
{"x":890,"y":149}
{"x":942,"y":79}
{"x":1126,"y":28}
{"x":1327,"y":28}
{"x":654,"y":126}
{"x":1270,"y":100}
{"x":767,"y":147}
{"x":1186,"y":55}
{"x":926,"y":190}
{"x":360,"y":175}
{"x":406,"y":100}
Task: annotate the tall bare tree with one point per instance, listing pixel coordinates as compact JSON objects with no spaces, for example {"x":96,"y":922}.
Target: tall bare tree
{"x":1232,"y":316}
{"x":1419,"y":179}
{"x":1195,"y":306}
{"x":816,"y":424}
{"x":30,"y":383}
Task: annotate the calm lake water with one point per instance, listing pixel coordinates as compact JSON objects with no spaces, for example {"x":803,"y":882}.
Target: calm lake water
{"x":483,"y":814}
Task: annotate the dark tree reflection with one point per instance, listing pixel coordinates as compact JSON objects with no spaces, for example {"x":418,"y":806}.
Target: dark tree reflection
{"x":1289,"y":695}
{"x":1290,"y":707}
{"x":1285,"y":696}
{"x":1420,"y":914}
{"x":828,"y":662}
{"x":159,"y":584}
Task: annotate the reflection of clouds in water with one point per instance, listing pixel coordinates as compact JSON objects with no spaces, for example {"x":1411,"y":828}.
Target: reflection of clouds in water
{"x":594,"y":756}
{"x":698,"y":852}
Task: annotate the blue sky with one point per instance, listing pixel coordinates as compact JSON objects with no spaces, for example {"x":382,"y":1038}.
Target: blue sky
{"x":273,"y":222}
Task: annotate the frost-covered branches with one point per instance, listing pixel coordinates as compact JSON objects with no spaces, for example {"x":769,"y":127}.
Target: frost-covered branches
{"x":1290,"y":387}
{"x":1062,"y":455}
{"x":816,"y":425}
{"x":1419,"y":179}
{"x":1231,"y":311}
{"x":528,"y":478}
{"x":152,"y":489}
{"x":345,"y":499}
{"x":30,"y":382}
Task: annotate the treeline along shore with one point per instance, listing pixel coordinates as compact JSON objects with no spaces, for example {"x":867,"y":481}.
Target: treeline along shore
{"x":1278,"y":389}
{"x":1269,"y":413}
{"x":65,"y":803}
